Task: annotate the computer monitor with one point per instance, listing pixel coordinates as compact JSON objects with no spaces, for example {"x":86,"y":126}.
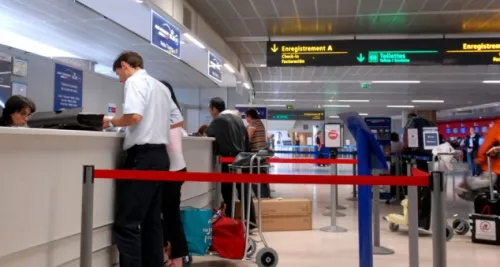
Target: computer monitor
{"x":72,"y":119}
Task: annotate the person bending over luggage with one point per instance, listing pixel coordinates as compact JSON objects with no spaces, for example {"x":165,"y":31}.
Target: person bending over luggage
{"x":174,"y":239}
{"x":490,"y":145}
{"x":257,"y":134}
{"x":17,"y":111}
{"x":231,"y":138}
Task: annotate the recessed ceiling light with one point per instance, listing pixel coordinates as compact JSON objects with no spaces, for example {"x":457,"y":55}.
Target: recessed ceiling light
{"x":263,"y":65}
{"x":292,"y":81}
{"x":395,"y":81}
{"x":363,"y":114}
{"x":229,"y":68}
{"x":247,"y":86}
{"x":491,"y":81}
{"x":400,"y":106}
{"x":336,"y":106}
{"x":194,"y":40}
{"x":331,"y":100}
{"x":139,"y":1}
{"x":353,"y":101}
{"x":427,"y":101}
{"x":333,"y":117}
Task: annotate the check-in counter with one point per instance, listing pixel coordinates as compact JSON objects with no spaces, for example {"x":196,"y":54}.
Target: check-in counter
{"x":41,"y":193}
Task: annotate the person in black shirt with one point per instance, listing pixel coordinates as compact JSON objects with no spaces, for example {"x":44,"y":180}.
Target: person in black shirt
{"x":231,"y":138}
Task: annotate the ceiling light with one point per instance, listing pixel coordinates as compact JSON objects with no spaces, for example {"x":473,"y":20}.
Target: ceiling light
{"x":331,"y":100}
{"x":491,"y":81}
{"x":336,"y":106}
{"x":333,"y":117}
{"x":363,"y":114}
{"x":427,"y":101}
{"x":247,"y":86}
{"x":194,"y":40}
{"x":229,"y":68}
{"x":354,"y":101}
{"x":400,"y":106}
{"x":291,"y":81}
{"x":277,"y":106}
{"x":263,"y":65}
{"x":395,"y":81}
{"x":139,"y":1}
{"x":280,"y":100}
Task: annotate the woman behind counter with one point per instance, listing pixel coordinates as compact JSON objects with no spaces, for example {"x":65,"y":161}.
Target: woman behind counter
{"x":17,"y":111}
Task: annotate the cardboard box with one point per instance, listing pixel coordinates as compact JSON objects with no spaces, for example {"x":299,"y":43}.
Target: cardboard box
{"x":281,"y":207}
{"x":283,"y":214}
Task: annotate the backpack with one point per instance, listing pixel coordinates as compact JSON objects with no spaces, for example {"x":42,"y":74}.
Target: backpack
{"x":228,"y":236}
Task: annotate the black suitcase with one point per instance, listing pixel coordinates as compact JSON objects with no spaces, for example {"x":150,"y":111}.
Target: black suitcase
{"x":485,"y":206}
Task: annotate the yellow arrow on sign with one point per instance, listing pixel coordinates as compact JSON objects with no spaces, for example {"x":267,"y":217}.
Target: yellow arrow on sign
{"x":275,"y":48}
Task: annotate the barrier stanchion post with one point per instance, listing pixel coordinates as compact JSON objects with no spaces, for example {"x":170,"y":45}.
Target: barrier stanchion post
{"x":438,"y":218}
{"x":217,"y":200}
{"x":377,"y":248}
{"x":339,"y":207}
{"x":354,"y":173}
{"x":412,"y":221}
{"x":87,"y":227}
{"x":329,"y":211}
{"x":333,"y":228}
{"x":398,"y":173}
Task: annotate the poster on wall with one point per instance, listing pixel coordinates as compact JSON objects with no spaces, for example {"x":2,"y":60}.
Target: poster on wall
{"x":19,"y":88}
{"x":215,"y":67}
{"x":165,"y":35}
{"x":68,"y":87}
{"x":20,"y":67}
{"x":111,"y":109}
{"x":5,"y":71}
{"x":333,"y":135}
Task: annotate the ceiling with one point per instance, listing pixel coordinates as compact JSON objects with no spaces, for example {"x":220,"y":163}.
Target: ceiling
{"x":87,"y":34}
{"x":247,"y":24}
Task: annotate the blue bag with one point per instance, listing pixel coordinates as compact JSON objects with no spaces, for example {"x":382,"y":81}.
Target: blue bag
{"x":197,"y":225}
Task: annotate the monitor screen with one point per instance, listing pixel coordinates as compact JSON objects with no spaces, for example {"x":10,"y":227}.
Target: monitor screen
{"x":448,"y":131}
{"x":4,"y":95}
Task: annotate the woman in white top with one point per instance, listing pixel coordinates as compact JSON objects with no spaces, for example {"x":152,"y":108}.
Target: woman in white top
{"x":174,"y":238}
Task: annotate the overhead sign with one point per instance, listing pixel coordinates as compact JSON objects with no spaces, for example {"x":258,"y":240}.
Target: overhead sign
{"x":165,"y":35}
{"x":289,"y":107}
{"x":308,"y":53}
{"x":306,"y":115}
{"x":472,"y":51}
{"x":215,"y":66}
{"x":333,"y":135}
{"x":398,"y":52}
{"x":68,"y":87}
{"x":430,"y":137}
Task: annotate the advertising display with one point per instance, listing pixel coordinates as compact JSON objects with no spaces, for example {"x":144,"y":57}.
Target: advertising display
{"x":381,"y":129}
{"x":165,"y":35}
{"x":215,"y":66}
{"x":333,"y":135}
{"x":68,"y":87}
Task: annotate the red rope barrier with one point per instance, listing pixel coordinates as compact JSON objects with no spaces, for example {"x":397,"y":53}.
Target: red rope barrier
{"x":418,"y":172}
{"x":229,"y":160}
{"x":260,"y":178}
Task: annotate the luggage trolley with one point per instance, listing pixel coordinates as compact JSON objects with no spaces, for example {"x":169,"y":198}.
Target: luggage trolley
{"x":266,"y":257}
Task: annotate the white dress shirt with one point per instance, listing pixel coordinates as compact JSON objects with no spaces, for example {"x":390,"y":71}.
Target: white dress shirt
{"x":146,"y":96}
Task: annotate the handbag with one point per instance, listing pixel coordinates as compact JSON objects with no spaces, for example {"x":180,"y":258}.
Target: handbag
{"x":197,"y":225}
{"x":228,"y":238}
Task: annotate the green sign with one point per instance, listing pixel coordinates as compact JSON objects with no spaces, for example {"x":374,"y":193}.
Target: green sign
{"x":289,"y":107}
{"x":366,"y":85}
{"x":399,"y":52}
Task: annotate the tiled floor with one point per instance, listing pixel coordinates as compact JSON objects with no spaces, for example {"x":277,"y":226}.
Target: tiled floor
{"x":316,"y":248}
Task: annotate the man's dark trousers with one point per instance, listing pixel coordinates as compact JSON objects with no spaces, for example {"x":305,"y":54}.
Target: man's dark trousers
{"x":138,"y":229}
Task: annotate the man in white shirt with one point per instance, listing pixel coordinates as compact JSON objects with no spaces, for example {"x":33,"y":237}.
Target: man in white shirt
{"x":138,"y":227}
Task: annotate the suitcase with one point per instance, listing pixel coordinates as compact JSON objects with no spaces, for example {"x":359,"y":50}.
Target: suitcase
{"x":484,"y":205}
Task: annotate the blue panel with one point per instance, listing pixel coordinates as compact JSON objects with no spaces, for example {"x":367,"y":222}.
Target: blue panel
{"x":215,"y":66}
{"x":68,"y":87}
{"x":165,"y":35}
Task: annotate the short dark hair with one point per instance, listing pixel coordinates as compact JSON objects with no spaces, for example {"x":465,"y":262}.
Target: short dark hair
{"x":131,"y":58}
{"x":412,"y":115}
{"x":15,"y":103}
{"x":172,"y":93}
{"x":218,"y":104}
{"x":252,"y":113}
{"x":394,"y":137}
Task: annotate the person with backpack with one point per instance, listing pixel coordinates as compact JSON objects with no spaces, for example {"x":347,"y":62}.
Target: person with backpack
{"x":421,"y":157}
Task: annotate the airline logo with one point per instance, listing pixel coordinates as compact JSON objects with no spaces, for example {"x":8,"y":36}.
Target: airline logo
{"x":69,"y":74}
{"x":168,"y":33}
